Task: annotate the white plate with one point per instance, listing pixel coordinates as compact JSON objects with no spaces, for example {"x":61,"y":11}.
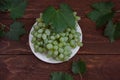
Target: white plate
{"x":43,"y":57}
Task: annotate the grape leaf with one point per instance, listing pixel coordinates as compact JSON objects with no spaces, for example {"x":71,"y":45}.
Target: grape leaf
{"x":78,"y":67}
{"x":16,"y":30}
{"x":60,"y":76}
{"x":102,"y":13}
{"x":112,"y":31}
{"x":59,"y":19}
{"x":16,"y":7}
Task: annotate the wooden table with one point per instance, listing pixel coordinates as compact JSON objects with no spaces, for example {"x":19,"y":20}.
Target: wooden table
{"x":17,"y":62}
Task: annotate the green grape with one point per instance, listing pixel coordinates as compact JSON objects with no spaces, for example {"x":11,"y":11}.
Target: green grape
{"x":39,"y":20}
{"x":44,"y":50}
{"x":60,"y":50}
{"x":33,"y":39}
{"x":40,"y":49}
{"x":61,"y":39}
{"x":64,"y":43}
{"x":49,"y":46}
{"x":38,"y":43}
{"x":33,"y":32}
{"x":43,"y":25}
{"x":52,"y":37}
{"x":77,"y":18}
{"x":44,"y":36}
{"x":50,"y":41}
{"x":66,"y":58}
{"x":57,"y":36}
{"x":66,"y":53}
{"x":41,"y":43}
{"x":73,"y":31}
{"x":65,"y":38}
{"x":36,"y":27}
{"x":67,"y":48}
{"x":68,"y":29}
{"x":73,"y":43}
{"x":55,"y":42}
{"x":47,"y":31}
{"x":74,"y":13}
{"x":80,"y":44}
{"x":78,"y":34}
{"x":55,"y":47}
{"x":60,"y":44}
{"x":50,"y":53}
{"x":40,"y":24}
{"x":55,"y":53}
{"x":40,"y":30}
{"x":62,"y":34}
{"x":39,"y":35}
{"x":61,"y":56}
{"x":70,"y":36}
{"x":36,"y":47}
{"x":45,"y":41}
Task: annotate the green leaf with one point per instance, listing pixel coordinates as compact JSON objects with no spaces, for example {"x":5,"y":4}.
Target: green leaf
{"x":109,"y":31}
{"x":18,"y":11}
{"x":59,"y":19}
{"x":112,"y":31}
{"x":78,"y":67}
{"x":16,"y":7}
{"x":16,"y":30}
{"x":60,"y":76}
{"x":102,"y":13}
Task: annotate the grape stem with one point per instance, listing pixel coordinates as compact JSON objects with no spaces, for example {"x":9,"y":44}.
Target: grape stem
{"x":81,"y":78}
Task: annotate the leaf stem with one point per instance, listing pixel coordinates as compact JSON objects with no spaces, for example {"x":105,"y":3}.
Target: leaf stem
{"x":81,"y":78}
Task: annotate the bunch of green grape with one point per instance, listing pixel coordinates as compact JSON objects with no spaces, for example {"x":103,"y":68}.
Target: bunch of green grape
{"x":55,"y":45}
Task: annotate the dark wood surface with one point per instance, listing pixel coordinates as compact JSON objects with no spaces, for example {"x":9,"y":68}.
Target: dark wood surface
{"x":17,"y":62}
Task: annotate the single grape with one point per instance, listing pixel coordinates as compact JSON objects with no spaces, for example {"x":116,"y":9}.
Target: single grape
{"x":44,"y":36}
{"x":39,"y":35}
{"x":80,"y":44}
{"x":39,"y":20}
{"x":55,"y":53}
{"x":61,"y":56}
{"x":52,"y":38}
{"x":61,"y":39}
{"x":49,"y":46}
{"x":70,"y":36}
{"x":36,"y":27}
{"x":60,"y":50}
{"x":55,"y":47}
{"x":57,"y":36}
{"x":77,"y":18}
{"x":33,"y":39}
{"x":47,"y":32}
{"x":40,"y":30}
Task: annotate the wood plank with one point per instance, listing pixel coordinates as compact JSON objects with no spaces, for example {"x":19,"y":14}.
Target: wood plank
{"x":28,"y":67}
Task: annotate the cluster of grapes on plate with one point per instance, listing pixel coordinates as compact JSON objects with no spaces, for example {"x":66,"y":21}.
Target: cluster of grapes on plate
{"x":55,"y":45}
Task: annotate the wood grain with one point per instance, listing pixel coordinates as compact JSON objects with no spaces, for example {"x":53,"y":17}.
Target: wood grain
{"x":21,"y":67}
